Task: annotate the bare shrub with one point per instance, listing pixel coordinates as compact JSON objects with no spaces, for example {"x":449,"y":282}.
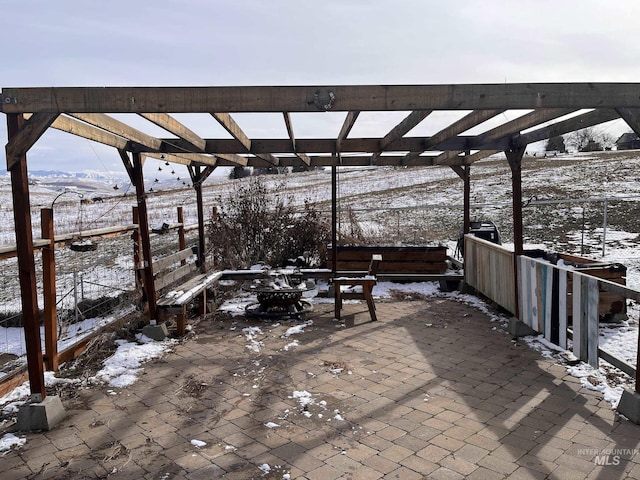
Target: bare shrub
{"x":259,"y":224}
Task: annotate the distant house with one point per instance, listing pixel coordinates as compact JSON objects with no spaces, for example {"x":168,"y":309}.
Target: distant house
{"x":628,"y":141}
{"x":592,"y":146}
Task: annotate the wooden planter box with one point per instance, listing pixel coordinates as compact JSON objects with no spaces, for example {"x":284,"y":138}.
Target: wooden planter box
{"x":398,"y":260}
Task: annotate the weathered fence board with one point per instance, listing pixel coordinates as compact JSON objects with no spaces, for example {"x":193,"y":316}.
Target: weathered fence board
{"x":489,"y":268}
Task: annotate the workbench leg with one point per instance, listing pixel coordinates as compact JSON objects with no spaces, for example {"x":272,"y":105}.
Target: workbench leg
{"x":366,"y":289}
{"x":181,"y":320}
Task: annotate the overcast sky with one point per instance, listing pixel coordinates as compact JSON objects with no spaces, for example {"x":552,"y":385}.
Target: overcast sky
{"x":298,"y":42}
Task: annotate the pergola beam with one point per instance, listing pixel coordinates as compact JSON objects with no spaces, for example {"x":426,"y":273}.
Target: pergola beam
{"x":110,"y":124}
{"x":465,"y":123}
{"x":319,"y":98}
{"x":400,"y":130}
{"x":29,"y":133}
{"x":236,"y":132}
{"x":579,"y":122}
{"x":302,"y":156}
{"x":528,"y":120}
{"x":172,"y":125}
{"x":84,"y":130}
{"x":347,"y":125}
{"x":233,"y":128}
{"x":631,"y":116}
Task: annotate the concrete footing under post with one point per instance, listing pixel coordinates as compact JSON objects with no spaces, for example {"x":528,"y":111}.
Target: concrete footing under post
{"x":156,"y":332}
{"x":519,"y":329}
{"x":629,"y":406}
{"x":36,"y":414}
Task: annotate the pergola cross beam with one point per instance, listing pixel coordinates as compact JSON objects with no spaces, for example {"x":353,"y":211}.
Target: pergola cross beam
{"x":172,"y":125}
{"x":230,"y":125}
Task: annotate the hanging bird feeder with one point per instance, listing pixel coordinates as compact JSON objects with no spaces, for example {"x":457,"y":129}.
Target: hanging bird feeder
{"x":80,"y":244}
{"x":83,"y":246}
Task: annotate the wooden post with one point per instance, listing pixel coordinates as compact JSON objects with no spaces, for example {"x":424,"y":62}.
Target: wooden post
{"x":143,"y":228}
{"x":214,"y":219}
{"x":515,"y":163}
{"x":334,"y":218}
{"x":181,"y":241}
{"x":49,"y":291}
{"x":201,"y":232}
{"x":135,"y":236}
{"x":466,"y":224}
{"x":26,"y":263}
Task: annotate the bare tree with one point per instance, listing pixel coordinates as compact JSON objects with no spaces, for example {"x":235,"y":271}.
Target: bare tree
{"x":587,"y":138}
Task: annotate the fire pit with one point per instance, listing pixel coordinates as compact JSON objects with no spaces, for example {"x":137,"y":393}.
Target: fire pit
{"x":279,"y":295}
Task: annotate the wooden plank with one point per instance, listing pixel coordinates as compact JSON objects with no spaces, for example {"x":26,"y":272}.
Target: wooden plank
{"x":165,"y":262}
{"x":396,"y":267}
{"x":533,"y":286}
{"x":233,"y":128}
{"x":29,"y":133}
{"x":576,"y":293}
{"x":117,"y":127}
{"x":347,"y":125}
{"x":631,"y":117}
{"x":172,"y":276}
{"x":305,"y":98}
{"x":81,"y":129}
{"x":528,"y":120}
{"x":289,"y":125}
{"x":592,"y":321}
{"x":172,"y":125}
{"x":231,"y":160}
{"x":465,"y":123}
{"x":236,"y":132}
{"x":562,"y":308}
{"x":191,"y":289}
{"x":13,"y":380}
{"x":523,"y":293}
{"x":392,"y":254}
{"x":400,"y":130}
{"x":324,"y":146}
{"x":195,"y":159}
{"x":585,"y":120}
{"x":303,"y":157}
{"x":546,"y":288}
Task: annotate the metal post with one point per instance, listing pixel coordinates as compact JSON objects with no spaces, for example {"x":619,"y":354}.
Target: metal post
{"x":181,"y":240}
{"x":26,"y":263}
{"x":466,"y":226}
{"x":75,"y":295}
{"x":334,"y":217}
{"x":604,"y":226}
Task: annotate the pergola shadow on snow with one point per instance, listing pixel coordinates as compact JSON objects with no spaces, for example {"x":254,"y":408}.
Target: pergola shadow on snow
{"x":554,"y":109}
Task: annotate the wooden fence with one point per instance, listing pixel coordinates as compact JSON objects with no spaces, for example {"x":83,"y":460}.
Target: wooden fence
{"x":489,"y":269}
{"x":560,"y":303}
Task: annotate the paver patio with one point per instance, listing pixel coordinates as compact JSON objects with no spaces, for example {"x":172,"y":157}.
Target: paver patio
{"x":434,"y":389}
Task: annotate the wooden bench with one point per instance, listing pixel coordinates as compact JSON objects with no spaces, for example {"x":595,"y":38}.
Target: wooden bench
{"x":344,"y":288}
{"x":174,"y":268}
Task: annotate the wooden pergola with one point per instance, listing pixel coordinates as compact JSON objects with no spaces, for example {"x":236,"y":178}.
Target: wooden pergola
{"x":553,"y":109}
